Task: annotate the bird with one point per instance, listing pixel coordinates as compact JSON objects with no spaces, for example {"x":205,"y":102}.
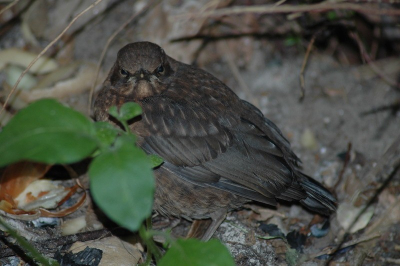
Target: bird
{"x":219,"y":151}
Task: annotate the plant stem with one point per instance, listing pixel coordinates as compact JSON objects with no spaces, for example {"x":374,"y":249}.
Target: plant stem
{"x":152,"y":249}
{"x":143,"y":236}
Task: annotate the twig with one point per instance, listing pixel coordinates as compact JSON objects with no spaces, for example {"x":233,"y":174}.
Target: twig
{"x":331,"y":250}
{"x":320,"y":7}
{"x":346,"y":162}
{"x":110,"y":39}
{"x":367,"y":58}
{"x":384,"y":219}
{"x":303,"y":67}
{"x":374,"y":1}
{"x":386,"y":169}
{"x":45,"y":50}
{"x":393,"y":107}
{"x":10,"y":5}
{"x":386,"y":165}
{"x":279,"y":3}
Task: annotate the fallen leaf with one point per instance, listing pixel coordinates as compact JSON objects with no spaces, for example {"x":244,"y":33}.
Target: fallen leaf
{"x":24,"y":195}
{"x":347,"y":213}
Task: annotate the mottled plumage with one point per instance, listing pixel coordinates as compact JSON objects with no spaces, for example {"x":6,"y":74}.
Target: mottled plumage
{"x":219,"y":151}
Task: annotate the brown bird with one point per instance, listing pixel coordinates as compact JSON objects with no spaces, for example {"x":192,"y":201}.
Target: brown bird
{"x":219,"y":151}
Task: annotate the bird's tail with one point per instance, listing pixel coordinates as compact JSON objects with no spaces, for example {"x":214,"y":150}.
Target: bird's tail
{"x":319,"y":199}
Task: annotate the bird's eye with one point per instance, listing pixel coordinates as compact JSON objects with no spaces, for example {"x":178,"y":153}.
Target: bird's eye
{"x":124,"y":72}
{"x":160,"y":69}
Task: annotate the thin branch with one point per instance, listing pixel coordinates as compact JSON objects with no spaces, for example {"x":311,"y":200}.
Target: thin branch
{"x":346,"y":162}
{"x":45,"y":50}
{"x":385,"y":169}
{"x":367,"y":58}
{"x":386,"y":164}
{"x":393,"y":107}
{"x":384,"y":220}
{"x":10,"y":5}
{"x":320,"y":7}
{"x":112,"y":37}
{"x":303,"y":67}
{"x":357,"y":240}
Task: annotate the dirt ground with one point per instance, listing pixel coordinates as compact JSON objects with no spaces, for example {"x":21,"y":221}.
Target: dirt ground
{"x":266,"y":72}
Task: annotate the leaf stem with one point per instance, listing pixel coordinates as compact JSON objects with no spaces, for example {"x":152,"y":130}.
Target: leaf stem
{"x":126,"y":127}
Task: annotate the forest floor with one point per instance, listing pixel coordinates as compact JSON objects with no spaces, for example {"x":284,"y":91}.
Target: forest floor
{"x":341,"y":130}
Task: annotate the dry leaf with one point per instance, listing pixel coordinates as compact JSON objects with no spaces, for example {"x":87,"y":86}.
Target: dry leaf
{"x":24,"y":195}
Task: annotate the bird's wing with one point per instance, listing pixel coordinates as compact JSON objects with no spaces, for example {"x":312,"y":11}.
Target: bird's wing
{"x":209,"y":142}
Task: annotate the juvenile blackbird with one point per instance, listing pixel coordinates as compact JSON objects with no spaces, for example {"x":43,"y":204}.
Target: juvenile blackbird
{"x":219,"y":151}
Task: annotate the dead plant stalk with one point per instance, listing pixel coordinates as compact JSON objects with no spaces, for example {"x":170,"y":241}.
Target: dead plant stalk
{"x":320,"y":7}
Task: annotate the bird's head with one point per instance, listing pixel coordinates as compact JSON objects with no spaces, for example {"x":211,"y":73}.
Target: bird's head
{"x":141,"y":70}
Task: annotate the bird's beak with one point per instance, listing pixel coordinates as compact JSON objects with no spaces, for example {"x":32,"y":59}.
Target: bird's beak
{"x":143,"y":74}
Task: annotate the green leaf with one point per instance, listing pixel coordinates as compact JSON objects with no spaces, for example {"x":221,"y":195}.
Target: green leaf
{"x":47,"y":131}
{"x":196,"y":253}
{"x":122,"y":184}
{"x":113,"y":111}
{"x":106,"y":133}
{"x":155,"y":160}
{"x":129,"y":110}
{"x":126,"y":139}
